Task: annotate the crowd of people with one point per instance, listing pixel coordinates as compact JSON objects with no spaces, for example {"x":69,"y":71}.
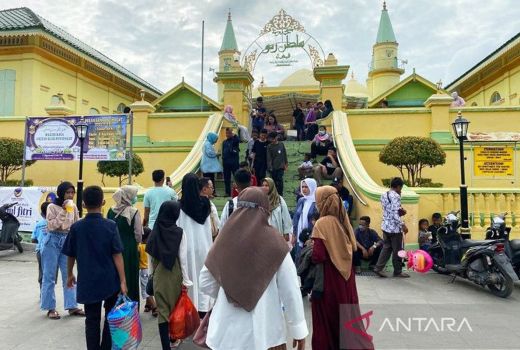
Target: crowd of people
{"x":246,"y":288}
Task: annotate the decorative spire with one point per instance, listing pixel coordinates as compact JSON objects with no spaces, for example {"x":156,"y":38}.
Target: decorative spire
{"x":385,"y":33}
{"x":352,"y":75}
{"x":229,"y":42}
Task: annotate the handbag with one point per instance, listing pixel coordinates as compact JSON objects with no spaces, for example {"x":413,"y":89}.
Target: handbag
{"x":125,"y":324}
{"x":199,"y":338}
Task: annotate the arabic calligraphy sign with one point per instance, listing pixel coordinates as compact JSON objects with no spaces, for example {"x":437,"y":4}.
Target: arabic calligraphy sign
{"x":279,"y":39}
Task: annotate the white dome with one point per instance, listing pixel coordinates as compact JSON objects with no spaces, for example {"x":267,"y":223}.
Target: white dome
{"x":302,"y":77}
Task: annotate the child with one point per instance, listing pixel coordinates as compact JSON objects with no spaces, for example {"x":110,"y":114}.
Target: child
{"x":94,"y":242}
{"x":305,"y":169}
{"x":250,"y":144}
{"x":143,"y":273}
{"x":254,"y":181}
{"x":277,"y":162}
{"x":425,"y":236}
{"x":435,"y":226}
{"x":40,"y":230}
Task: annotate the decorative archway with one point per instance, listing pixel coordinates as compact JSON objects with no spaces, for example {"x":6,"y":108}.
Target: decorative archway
{"x":280,"y":36}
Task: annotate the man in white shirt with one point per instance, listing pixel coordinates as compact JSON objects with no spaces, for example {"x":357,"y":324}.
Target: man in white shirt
{"x":243,"y":181}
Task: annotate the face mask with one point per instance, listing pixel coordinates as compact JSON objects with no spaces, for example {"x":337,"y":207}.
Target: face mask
{"x":362,"y":227}
{"x":134,"y":200}
{"x":321,"y":132}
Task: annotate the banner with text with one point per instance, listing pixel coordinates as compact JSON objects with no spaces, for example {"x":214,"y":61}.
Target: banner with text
{"x":491,"y":161}
{"x":28,"y":201}
{"x":55,"y":138}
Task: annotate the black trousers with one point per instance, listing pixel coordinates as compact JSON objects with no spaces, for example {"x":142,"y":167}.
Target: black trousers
{"x":300,"y":132}
{"x":277,"y":175}
{"x":93,"y":323}
{"x":229,"y":170}
{"x":260,"y":170}
{"x":358,"y":256}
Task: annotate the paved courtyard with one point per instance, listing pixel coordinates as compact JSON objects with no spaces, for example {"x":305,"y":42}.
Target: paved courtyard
{"x":494,"y":322}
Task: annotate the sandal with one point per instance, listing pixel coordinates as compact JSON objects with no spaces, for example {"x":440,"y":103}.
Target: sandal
{"x":53,"y":315}
{"x":155,"y":313}
{"x":175,"y":344}
{"x":77,"y":312}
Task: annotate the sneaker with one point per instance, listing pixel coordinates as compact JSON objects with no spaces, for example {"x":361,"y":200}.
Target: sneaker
{"x":380,"y":273}
{"x":358,"y":270}
{"x":402,"y":275}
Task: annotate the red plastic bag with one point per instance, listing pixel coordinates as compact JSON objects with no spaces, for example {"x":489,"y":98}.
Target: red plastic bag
{"x":184,"y":318}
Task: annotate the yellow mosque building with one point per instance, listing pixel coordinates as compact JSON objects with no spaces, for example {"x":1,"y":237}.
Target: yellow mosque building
{"x":44,"y":70}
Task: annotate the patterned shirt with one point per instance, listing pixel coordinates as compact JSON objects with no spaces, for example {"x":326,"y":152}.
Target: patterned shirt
{"x":391,"y":203}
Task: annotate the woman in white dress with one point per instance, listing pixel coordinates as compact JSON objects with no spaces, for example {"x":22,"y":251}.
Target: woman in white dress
{"x":250,"y":273}
{"x":280,"y":217}
{"x":196,"y":224}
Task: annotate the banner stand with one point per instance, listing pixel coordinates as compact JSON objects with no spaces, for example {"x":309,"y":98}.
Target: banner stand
{"x":130,"y":154}
{"x":24,"y":161}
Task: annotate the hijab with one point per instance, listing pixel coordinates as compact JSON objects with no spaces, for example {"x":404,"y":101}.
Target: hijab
{"x":274,"y":197}
{"x":192,"y":203}
{"x":309,"y":200}
{"x":333,"y":227}
{"x":228,"y":109}
{"x":165,"y":239}
{"x":248,"y":251}
{"x":60,"y":192}
{"x":322,"y":138}
{"x":123,"y":198}
{"x":212,"y":138}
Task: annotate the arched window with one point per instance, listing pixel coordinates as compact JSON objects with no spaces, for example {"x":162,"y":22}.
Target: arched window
{"x":7,"y":81}
{"x":474,"y":104}
{"x":495,"y":97}
{"x":121,"y":108}
{"x":93,"y":111}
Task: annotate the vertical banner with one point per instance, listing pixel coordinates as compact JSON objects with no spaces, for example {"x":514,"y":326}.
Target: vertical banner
{"x":51,"y":138}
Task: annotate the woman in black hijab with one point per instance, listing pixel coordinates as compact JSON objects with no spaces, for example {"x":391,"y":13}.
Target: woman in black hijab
{"x":168,"y":250}
{"x":196,"y":223}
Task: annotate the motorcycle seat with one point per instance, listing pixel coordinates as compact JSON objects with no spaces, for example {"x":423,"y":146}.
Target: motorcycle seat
{"x":515,"y":244}
{"x":472,"y":243}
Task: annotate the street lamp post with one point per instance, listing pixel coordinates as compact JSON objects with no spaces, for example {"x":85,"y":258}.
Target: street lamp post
{"x":82,"y":131}
{"x":460,"y":128}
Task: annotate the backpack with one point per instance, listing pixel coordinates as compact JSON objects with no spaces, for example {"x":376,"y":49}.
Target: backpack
{"x":231,"y":207}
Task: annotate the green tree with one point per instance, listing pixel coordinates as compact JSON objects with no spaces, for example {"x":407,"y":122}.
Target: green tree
{"x":412,"y":154}
{"x":11,"y":157}
{"x":119,"y":168}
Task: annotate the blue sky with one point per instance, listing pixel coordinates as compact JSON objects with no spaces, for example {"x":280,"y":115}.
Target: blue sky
{"x":161,"y":40}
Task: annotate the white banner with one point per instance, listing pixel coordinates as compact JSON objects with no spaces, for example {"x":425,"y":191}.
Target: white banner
{"x":28,"y":201}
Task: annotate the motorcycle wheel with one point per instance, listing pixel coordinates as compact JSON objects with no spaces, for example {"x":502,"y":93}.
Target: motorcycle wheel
{"x":18,"y":244}
{"x":504,"y":289}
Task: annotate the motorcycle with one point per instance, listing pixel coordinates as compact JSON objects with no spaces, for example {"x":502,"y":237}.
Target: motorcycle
{"x":482,"y":262}
{"x":9,"y":237}
{"x":498,"y":230}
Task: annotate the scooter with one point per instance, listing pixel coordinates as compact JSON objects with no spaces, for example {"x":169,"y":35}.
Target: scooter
{"x":9,"y":237}
{"x":498,"y":230}
{"x":482,"y":262}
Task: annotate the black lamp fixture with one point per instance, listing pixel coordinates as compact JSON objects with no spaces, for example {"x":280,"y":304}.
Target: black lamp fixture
{"x":82,"y":132}
{"x":460,"y":128}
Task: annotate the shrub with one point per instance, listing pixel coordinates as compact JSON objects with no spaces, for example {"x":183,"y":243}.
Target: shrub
{"x":11,"y":157}
{"x":412,"y":154}
{"x":119,"y":168}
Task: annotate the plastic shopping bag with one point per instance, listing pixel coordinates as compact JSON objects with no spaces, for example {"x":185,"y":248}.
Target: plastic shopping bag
{"x":184,"y":318}
{"x":125,"y":324}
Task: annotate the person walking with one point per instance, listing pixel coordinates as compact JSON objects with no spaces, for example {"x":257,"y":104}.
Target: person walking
{"x":279,"y":216}
{"x":299,"y":122}
{"x":305,"y":210}
{"x":130,"y":229}
{"x":259,"y":155}
{"x":230,"y":158}
{"x":210,"y":164}
{"x":194,"y":219}
{"x":393,"y":229}
{"x":168,"y":247}
{"x":60,"y":216}
{"x":250,"y":277}
{"x":333,"y":246}
{"x":277,"y":162}
{"x":155,"y":197}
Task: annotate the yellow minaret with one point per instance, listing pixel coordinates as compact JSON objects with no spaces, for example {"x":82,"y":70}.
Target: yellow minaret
{"x":228,"y":54}
{"x":384,"y":69}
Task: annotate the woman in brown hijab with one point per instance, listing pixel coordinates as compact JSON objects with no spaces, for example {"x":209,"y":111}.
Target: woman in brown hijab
{"x":250,"y":273}
{"x":334,"y":245}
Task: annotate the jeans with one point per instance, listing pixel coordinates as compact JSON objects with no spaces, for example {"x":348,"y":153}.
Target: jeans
{"x":52,"y":258}
{"x":277,"y":175}
{"x":229,"y":170}
{"x":393,"y":243}
{"x":93,"y":322}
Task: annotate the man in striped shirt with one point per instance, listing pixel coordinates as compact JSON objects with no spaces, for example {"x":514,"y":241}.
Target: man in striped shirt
{"x":393,"y":229}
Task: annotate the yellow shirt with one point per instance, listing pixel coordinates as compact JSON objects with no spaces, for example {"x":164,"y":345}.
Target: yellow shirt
{"x":143,"y":257}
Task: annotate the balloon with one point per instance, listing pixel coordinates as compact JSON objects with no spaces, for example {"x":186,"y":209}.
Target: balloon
{"x":419,"y":261}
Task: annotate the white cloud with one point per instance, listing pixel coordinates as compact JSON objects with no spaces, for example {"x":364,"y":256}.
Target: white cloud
{"x":160,"y":40}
